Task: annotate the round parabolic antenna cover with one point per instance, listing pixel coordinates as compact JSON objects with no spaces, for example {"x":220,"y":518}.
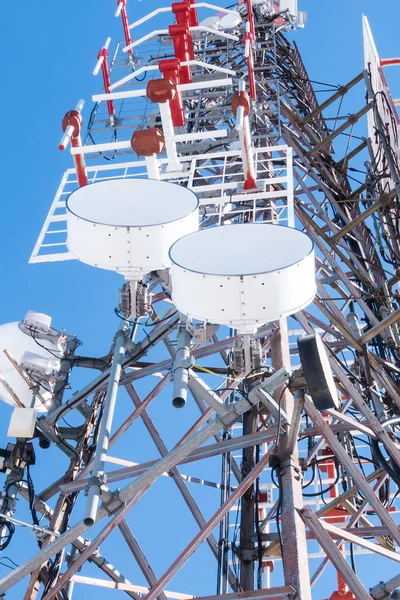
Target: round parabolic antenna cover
{"x":129,"y":225}
{"x":230,"y":21}
{"x":17,"y":343}
{"x":212,"y":22}
{"x":243,"y":275}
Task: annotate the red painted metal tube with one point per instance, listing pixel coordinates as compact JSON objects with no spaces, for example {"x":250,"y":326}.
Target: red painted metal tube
{"x":250,"y":16}
{"x":79,"y":161}
{"x":185,"y":13}
{"x":125,"y":23}
{"x":184,"y":17}
{"x":171,"y":70}
{"x":183,"y":46}
{"x":390,"y":62}
{"x":106,"y":79}
{"x":194,"y":17}
{"x":72,"y":124}
{"x":250,"y":65}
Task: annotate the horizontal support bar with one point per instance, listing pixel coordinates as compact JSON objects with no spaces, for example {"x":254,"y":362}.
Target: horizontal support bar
{"x":186,"y":63}
{"x":208,"y":451}
{"x":182,"y":137}
{"x":124,"y":587}
{"x":186,"y":87}
{"x":355,"y":538}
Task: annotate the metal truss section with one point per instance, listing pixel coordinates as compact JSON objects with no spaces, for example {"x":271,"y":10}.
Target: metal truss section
{"x":217,"y":55}
{"x":216,"y":179}
{"x":278,"y":496}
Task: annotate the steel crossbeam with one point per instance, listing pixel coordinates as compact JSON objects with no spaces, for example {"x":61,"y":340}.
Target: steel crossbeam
{"x":352,"y":222}
{"x":139,"y":556}
{"x":80,"y":544}
{"x":131,"y":492}
{"x":334,"y":554}
{"x":176,"y":476}
{"x":340,"y":452}
{"x":208,"y":527}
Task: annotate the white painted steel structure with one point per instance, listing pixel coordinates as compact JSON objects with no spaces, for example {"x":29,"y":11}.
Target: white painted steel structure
{"x":269,"y":484}
{"x":273,"y":164}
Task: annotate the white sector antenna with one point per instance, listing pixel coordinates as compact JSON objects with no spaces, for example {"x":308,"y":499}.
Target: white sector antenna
{"x":21,"y":345}
{"x":243,"y":275}
{"x":129,"y":225}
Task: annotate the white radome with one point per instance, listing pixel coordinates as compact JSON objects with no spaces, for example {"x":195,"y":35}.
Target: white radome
{"x":230,"y":21}
{"x":244,"y":275}
{"x":211,"y":22}
{"x":129,"y":225}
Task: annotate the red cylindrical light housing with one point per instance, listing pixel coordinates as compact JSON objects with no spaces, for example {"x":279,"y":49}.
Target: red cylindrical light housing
{"x":185,"y":13}
{"x":183,"y":46}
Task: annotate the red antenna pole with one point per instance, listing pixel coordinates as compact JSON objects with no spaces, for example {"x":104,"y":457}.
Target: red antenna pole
{"x":186,"y":13}
{"x":251,"y":16}
{"x":194,"y":17}
{"x":72,"y":126}
{"x":171,"y":69}
{"x":183,"y":47}
{"x":122,"y":11}
{"x":184,"y":18}
{"x":102,"y":63}
{"x":248,"y":39}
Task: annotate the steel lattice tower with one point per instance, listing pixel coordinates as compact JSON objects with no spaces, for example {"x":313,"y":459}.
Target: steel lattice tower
{"x":286,"y":457}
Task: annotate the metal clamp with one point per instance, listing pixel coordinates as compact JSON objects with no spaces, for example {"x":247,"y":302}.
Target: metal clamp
{"x":291,"y":463}
{"x":114,"y":503}
{"x":184,"y":364}
{"x":100,"y":481}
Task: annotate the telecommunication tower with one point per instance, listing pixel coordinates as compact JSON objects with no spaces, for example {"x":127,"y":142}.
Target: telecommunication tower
{"x":256,"y":233}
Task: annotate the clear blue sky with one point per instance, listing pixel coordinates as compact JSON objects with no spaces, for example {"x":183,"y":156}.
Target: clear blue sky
{"x":48,"y":51}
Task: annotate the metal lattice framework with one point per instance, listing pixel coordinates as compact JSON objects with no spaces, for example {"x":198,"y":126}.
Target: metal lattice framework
{"x":299,"y":488}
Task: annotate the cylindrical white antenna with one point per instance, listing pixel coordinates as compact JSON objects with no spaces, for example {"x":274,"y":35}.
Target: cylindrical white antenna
{"x":80,"y":105}
{"x":68,"y":133}
{"x":102,"y":57}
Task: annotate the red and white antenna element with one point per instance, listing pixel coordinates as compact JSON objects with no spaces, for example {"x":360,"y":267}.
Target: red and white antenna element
{"x":250,"y":17}
{"x":171,"y":70}
{"x":122,"y":12}
{"x":102,"y":63}
{"x":241,"y":110}
{"x":163,"y":91}
{"x":72,"y":126}
{"x":390,"y":62}
{"x":248,"y":40}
